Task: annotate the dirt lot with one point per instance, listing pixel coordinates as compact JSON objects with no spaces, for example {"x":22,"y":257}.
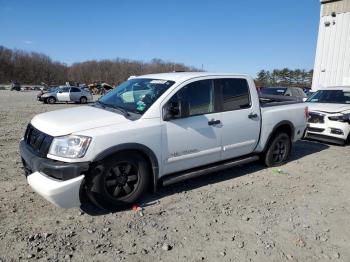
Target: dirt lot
{"x":248,"y":213}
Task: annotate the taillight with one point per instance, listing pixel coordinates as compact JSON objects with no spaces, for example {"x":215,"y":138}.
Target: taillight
{"x":306,"y":111}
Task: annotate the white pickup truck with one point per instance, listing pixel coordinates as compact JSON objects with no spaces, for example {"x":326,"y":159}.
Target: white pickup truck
{"x":156,"y":130}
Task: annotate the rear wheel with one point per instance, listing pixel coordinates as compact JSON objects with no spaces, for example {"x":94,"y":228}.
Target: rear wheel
{"x":83,"y":100}
{"x":119,"y":181}
{"x":278,"y":151}
{"x":51,"y":100}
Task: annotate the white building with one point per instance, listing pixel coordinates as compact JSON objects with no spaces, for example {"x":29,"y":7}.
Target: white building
{"x":332,"y":62}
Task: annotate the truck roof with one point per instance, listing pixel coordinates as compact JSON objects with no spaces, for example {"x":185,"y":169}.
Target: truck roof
{"x":183,"y":76}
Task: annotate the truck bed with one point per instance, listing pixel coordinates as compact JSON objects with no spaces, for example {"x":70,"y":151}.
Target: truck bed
{"x":275,"y":100}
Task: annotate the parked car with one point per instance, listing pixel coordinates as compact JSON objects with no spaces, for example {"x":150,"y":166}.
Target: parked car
{"x":330,"y":115}
{"x":285,"y":91}
{"x":155,"y":130}
{"x":66,"y":94}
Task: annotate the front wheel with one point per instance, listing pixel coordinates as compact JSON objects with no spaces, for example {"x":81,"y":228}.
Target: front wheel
{"x":278,"y":151}
{"x":119,"y":181}
{"x":51,"y":100}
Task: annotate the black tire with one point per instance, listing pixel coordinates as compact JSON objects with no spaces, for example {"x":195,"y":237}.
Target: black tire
{"x":51,"y":100}
{"x":119,"y":181}
{"x":278,"y":150}
{"x":83,"y":100}
{"x":347,"y":141}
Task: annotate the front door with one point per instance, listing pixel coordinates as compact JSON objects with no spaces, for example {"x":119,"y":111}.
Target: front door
{"x":195,"y":140}
{"x":63,"y":94}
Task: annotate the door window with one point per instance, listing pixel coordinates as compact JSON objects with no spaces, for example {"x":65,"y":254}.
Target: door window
{"x":65,"y":89}
{"x":200,"y":97}
{"x":234,"y":92}
{"x":75,"y":90}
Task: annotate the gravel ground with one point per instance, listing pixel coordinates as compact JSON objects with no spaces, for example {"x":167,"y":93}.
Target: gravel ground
{"x":300,"y":212}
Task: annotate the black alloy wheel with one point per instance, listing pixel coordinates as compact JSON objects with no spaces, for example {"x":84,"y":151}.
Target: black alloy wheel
{"x":278,"y":150}
{"x":121,"y":180}
{"x":118,"y":181}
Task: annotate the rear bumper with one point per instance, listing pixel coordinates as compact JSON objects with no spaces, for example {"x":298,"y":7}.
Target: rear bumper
{"x":64,"y":194}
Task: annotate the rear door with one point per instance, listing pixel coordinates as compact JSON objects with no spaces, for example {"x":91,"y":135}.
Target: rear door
{"x":195,"y":140}
{"x":240,"y":117}
{"x":63,"y":94}
{"x":75,"y":94}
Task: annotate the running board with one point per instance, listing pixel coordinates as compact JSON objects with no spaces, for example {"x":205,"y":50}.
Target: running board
{"x":184,"y":175}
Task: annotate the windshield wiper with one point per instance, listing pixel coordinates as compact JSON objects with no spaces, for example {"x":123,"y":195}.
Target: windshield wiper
{"x":118,"y":108}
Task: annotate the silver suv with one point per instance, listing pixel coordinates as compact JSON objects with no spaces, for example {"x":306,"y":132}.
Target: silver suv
{"x":67,"y":94}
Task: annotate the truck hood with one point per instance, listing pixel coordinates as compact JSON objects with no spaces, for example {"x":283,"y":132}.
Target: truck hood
{"x":329,"y":108}
{"x":70,"y":120}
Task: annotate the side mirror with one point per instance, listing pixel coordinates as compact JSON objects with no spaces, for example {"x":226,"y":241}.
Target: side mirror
{"x":175,"y":110}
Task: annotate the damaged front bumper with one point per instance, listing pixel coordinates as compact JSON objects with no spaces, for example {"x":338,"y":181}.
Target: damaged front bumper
{"x":64,"y":194}
{"x":56,"y":181}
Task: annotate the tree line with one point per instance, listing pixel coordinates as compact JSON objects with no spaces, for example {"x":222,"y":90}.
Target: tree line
{"x":284,"y":77}
{"x":35,"y":68}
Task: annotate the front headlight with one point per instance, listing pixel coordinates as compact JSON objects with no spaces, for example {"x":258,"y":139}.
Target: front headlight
{"x":340,"y":118}
{"x":71,"y":146}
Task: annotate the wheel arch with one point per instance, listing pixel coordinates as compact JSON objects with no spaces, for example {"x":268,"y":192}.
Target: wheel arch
{"x":283,"y":126}
{"x":83,"y":96}
{"x":55,"y":98}
{"x":145,"y":151}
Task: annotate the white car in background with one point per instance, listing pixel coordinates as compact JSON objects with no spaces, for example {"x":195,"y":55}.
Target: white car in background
{"x":66,"y":94}
{"x":329,"y":119}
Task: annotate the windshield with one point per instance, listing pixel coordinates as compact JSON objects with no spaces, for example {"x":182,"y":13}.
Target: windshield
{"x":136,"y":95}
{"x":273,"y":91}
{"x":330,"y":96}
